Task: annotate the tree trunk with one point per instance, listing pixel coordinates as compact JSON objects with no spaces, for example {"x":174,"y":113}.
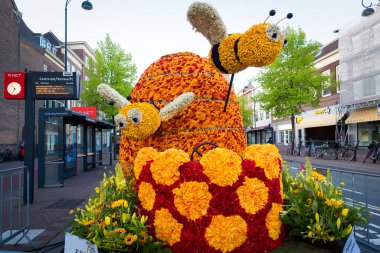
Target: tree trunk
{"x":293,"y":130}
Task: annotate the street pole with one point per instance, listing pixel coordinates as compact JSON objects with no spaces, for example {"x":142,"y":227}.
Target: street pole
{"x":67,"y":2}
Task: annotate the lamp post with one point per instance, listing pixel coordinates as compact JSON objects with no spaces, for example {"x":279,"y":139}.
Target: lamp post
{"x":87,"y":5}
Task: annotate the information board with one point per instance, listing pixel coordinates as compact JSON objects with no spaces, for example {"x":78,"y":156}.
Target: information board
{"x":54,"y":85}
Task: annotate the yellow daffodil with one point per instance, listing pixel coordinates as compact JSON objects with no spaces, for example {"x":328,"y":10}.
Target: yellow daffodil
{"x":125,"y":204}
{"x":97,"y":190}
{"x":317,"y":217}
{"x":71,"y":212}
{"x":342,"y":183}
{"x":338,"y":223}
{"x":345,"y":212}
{"x":107,"y":220}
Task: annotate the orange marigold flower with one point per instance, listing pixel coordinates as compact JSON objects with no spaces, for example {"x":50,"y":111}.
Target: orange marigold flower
{"x":167,"y":228}
{"x":273,"y":221}
{"x":266,"y":156}
{"x":147,"y":195}
{"x":117,"y":203}
{"x":317,"y":176}
{"x":165,"y":168}
{"x":87,"y":223}
{"x":222,"y":166}
{"x":192,"y":199}
{"x":119,"y":230}
{"x":144,"y":155}
{"x":253,"y":195}
{"x":226,"y":233}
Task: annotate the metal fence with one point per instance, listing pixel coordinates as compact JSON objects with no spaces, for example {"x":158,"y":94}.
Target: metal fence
{"x":14,"y":214}
{"x":362,"y":190}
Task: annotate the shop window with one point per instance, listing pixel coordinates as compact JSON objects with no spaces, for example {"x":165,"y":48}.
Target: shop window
{"x":80,"y":136}
{"x":89,"y":140}
{"x":282,"y":137}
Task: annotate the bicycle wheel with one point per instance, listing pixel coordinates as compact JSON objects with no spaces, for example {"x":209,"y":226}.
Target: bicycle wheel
{"x":295,"y":151}
{"x":348,"y":155}
{"x":332,"y":154}
{"x":318,"y":153}
{"x":368,"y":155}
{"x":304,"y":151}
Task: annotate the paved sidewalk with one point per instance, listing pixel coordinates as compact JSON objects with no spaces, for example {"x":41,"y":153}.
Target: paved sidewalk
{"x":51,"y":207}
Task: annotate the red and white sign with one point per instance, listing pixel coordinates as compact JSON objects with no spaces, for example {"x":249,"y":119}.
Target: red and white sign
{"x":88,"y":110}
{"x":14,"y":85}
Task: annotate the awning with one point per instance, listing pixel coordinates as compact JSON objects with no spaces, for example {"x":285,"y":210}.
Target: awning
{"x":364,"y":115}
{"x":319,"y":121}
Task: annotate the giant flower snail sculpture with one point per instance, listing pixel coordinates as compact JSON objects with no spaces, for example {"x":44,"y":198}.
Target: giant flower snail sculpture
{"x":228,"y":200}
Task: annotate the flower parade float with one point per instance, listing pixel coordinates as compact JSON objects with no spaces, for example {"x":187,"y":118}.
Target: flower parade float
{"x":197,"y":187}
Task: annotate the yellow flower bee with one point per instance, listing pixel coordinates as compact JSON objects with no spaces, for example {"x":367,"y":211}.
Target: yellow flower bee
{"x":260,"y":45}
{"x":140,"y":120}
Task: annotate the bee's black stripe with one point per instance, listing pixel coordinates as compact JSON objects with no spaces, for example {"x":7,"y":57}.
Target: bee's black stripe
{"x":215,"y":58}
{"x":236,"y":50}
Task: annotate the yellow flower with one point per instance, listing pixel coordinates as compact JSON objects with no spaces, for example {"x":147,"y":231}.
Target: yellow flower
{"x":119,"y":230}
{"x":222,"y":166}
{"x":124,"y":217}
{"x":87,"y":223}
{"x":273,"y":222}
{"x":146,"y":195}
{"x":125,"y":204}
{"x":129,"y":239}
{"x":317,"y":176}
{"x":117,"y":203}
{"x":317,"y":217}
{"x":226,"y":233}
{"x":78,"y":209}
{"x":331,"y":238}
{"x":318,"y":227}
{"x":310,"y":234}
{"x":345,"y":212}
{"x":341,"y":183}
{"x":295,"y":191}
{"x":71,"y":212}
{"x":107,"y":220}
{"x":165,"y":168}
{"x":338,"y":223}
{"x":97,"y":190}
{"x":253,"y":195}
{"x":192,"y":199}
{"x":167,"y":228}
{"x":338,"y":203}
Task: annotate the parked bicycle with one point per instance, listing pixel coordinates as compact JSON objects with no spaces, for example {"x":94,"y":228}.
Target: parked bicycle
{"x":308,"y":149}
{"x":326,"y":152}
{"x":6,"y":155}
{"x":346,"y":152}
{"x":373,"y":151}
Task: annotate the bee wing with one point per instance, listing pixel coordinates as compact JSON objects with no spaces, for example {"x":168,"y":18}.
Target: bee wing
{"x":206,"y":20}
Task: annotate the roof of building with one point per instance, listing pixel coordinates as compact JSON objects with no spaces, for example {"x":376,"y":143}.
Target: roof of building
{"x":327,"y":49}
{"x":53,"y":39}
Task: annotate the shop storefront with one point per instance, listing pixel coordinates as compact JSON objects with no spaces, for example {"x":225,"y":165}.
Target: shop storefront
{"x":364,"y":126}
{"x":69,"y":143}
{"x":259,"y":135}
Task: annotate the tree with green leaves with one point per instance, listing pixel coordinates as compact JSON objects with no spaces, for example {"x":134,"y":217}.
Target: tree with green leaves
{"x":112,"y":66}
{"x":246,"y":112}
{"x":292,"y":81}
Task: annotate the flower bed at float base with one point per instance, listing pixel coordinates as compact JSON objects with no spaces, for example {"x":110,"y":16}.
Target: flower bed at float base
{"x":315,"y":209}
{"x":222,"y":203}
{"x":110,"y":218}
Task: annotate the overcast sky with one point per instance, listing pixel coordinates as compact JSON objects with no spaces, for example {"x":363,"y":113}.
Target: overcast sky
{"x":149,"y":29}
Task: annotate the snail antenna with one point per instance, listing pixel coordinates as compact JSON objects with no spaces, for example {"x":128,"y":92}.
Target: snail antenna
{"x":271,"y":13}
{"x":289,"y":16}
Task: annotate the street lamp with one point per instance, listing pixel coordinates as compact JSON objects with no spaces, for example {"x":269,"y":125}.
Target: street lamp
{"x":368,"y":10}
{"x":86,"y":5}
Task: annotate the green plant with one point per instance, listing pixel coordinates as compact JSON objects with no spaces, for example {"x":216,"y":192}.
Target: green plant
{"x":110,"y":218}
{"x":314,"y":207}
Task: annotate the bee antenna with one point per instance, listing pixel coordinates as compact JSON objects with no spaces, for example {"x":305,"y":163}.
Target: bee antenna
{"x":289,"y":16}
{"x":271,"y":13}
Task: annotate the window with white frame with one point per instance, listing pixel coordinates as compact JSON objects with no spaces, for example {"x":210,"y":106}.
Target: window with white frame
{"x":45,"y":68}
{"x":326,"y":92}
{"x":267,"y":115}
{"x":337,"y":78}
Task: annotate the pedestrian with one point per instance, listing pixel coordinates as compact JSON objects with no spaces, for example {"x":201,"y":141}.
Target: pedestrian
{"x":270,"y":140}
